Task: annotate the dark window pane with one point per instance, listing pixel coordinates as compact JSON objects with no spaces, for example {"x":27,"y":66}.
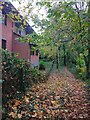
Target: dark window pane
{"x":37,"y":52}
{"x":4,"y":19}
{"x":4,"y":44}
{"x":19,"y":32}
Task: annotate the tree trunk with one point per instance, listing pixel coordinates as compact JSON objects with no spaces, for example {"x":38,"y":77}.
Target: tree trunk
{"x":59,"y":56}
{"x":64,"y":55}
{"x":57,"y":59}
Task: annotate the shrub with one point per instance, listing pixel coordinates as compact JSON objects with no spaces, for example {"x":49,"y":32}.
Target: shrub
{"x":41,"y":66}
{"x":17,"y":74}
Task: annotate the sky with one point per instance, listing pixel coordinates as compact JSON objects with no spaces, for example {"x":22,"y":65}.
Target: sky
{"x":41,"y":13}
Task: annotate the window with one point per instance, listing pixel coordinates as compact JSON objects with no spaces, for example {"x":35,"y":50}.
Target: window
{"x":3,"y":44}
{"x":31,"y":52}
{"x":19,"y":32}
{"x":37,"y":52}
{"x":23,"y":32}
{"x":4,"y":19}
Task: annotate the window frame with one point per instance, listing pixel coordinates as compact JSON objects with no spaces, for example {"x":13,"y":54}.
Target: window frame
{"x":4,"y":44}
{"x":37,"y":52}
{"x":4,"y":19}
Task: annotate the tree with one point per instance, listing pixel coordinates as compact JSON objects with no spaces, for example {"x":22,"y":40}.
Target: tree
{"x":65,"y":28}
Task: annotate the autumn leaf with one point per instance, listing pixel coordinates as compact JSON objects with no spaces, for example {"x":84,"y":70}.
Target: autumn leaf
{"x":17,"y":102}
{"x":12,"y":114}
{"x":19,"y":115}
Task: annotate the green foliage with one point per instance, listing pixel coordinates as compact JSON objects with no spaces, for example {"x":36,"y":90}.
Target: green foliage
{"x":66,"y":23}
{"x":17,"y":74}
{"x":41,"y":66}
{"x":37,"y":76}
{"x":81,"y":68}
{"x":46,"y":63}
{"x":42,"y":62}
{"x":78,"y":66}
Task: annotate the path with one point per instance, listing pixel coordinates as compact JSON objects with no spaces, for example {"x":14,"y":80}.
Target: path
{"x":61,"y":97}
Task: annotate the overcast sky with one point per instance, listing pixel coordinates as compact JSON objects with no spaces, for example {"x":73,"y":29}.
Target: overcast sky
{"x":41,"y":13}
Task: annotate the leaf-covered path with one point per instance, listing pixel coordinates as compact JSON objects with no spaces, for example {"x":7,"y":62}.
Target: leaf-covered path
{"x":61,"y":97}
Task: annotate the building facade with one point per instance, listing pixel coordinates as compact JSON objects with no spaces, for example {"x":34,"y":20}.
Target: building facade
{"x":10,"y":31}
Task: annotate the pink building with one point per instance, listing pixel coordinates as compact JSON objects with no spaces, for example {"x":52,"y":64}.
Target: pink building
{"x":11,"y":31}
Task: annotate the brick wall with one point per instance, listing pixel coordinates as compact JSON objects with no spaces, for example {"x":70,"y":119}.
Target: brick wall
{"x":13,"y":45}
{"x":7,"y":34}
{"x":21,"y":48}
{"x":23,"y":51}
